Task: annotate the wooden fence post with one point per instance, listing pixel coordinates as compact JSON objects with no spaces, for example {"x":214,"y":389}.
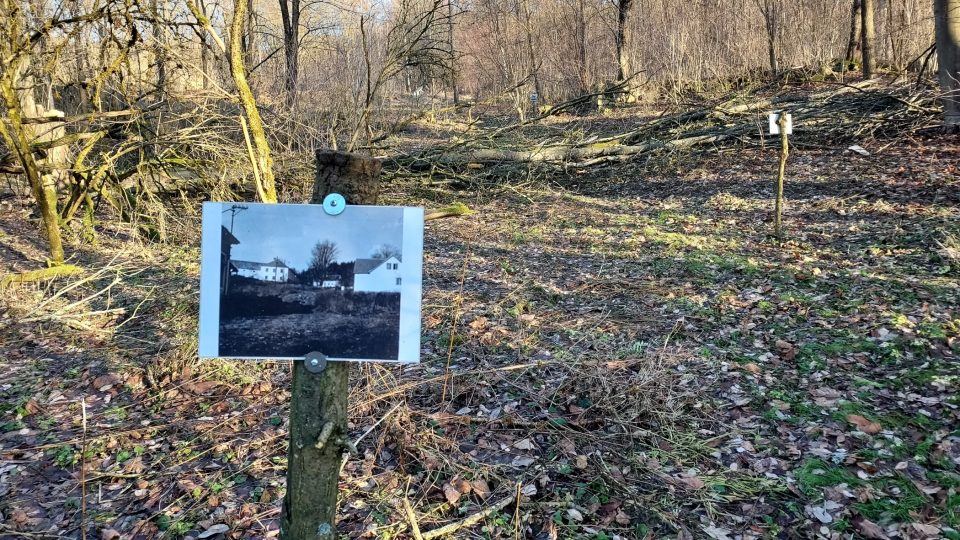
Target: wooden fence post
{"x":318,"y":402}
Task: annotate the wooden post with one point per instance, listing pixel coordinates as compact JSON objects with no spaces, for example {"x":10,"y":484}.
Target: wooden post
{"x":318,"y":402}
{"x":784,"y":152}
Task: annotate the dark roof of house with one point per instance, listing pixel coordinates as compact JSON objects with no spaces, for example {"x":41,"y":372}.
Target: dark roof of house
{"x":227,"y":237}
{"x":250,"y":265}
{"x":246,"y":265}
{"x":365,"y":266}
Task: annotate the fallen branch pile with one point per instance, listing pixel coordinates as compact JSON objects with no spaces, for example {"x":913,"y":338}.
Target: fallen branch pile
{"x":848,"y":114}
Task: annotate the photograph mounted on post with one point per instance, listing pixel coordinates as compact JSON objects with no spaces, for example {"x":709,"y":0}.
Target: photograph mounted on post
{"x":282,"y":281}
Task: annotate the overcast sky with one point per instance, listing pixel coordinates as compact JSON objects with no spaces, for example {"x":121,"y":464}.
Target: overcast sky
{"x":290,"y":231}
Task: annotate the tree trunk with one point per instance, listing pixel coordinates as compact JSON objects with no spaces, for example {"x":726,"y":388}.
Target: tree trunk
{"x":318,"y":402}
{"x":204,"y":53}
{"x":453,"y":55}
{"x":18,"y":139}
{"x":868,"y":38}
{"x":580,"y":23}
{"x":623,"y":56}
{"x":531,"y":54}
{"x":947,"y":20}
{"x":853,"y":43}
{"x":160,"y":49}
{"x":770,"y":19}
{"x":266,"y":188}
{"x":290,"y":16}
{"x":249,"y":45}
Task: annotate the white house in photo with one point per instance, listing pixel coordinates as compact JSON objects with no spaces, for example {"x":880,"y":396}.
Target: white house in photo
{"x":377,"y":275}
{"x":274,"y":270}
{"x":328,"y":282}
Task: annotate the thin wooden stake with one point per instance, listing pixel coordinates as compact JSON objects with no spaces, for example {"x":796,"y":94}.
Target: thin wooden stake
{"x":784,"y":153}
{"x":83,"y":469}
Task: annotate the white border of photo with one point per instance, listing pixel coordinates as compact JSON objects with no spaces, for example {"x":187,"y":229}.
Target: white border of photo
{"x":410,"y":295}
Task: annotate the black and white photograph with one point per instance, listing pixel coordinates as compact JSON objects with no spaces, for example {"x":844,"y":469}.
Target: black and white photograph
{"x":285,"y":280}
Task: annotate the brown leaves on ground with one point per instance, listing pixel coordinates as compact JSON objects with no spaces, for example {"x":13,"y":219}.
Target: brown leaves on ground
{"x":864,"y":425}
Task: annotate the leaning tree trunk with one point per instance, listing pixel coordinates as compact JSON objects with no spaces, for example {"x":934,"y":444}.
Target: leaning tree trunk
{"x":16,"y":95}
{"x":261,"y":161}
{"x":869,"y":38}
{"x":947,"y":20}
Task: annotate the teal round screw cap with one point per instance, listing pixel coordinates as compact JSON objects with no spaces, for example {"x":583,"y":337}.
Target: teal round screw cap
{"x":334,"y":204}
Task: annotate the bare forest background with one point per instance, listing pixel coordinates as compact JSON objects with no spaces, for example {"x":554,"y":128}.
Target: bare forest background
{"x":113,"y":100}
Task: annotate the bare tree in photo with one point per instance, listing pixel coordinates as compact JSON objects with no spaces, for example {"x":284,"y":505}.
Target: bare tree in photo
{"x":323,"y":254}
{"x":385,"y":251}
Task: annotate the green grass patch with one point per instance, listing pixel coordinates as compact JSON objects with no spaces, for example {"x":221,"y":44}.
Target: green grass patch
{"x":899,"y":500}
{"x":816,"y":474}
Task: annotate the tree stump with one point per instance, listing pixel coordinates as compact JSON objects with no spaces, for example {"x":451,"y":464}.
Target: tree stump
{"x":318,"y":402}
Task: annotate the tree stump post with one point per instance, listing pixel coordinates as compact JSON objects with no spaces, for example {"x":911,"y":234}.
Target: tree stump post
{"x":318,"y":402}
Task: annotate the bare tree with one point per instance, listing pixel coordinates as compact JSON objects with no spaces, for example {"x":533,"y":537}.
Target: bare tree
{"x":770,"y":9}
{"x":853,"y":43}
{"x":386,"y":251}
{"x":322,"y":255}
{"x":947,"y":18}
{"x":868,"y":37}
{"x":623,"y":55}
{"x":290,"y":17}
{"x":33,"y":131}
{"x":453,"y":55}
{"x":531,"y":54}
{"x":417,"y":38}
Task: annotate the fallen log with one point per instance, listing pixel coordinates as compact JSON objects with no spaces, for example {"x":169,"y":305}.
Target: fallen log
{"x":840,"y":116}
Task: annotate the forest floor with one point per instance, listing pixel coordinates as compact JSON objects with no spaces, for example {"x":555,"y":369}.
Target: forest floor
{"x":632,"y":356}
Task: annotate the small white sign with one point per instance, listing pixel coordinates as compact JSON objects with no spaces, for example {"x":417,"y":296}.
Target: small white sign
{"x":775,"y":124}
{"x":534,"y":97}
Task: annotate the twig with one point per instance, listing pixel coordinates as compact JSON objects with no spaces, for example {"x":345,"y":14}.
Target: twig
{"x":39,"y":275}
{"x":516,"y":514}
{"x":346,"y":455}
{"x":470,"y":520}
{"x":324,"y":435}
{"x":454,"y":210}
{"x":455,"y":321}
{"x":411,"y":516}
